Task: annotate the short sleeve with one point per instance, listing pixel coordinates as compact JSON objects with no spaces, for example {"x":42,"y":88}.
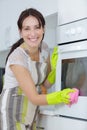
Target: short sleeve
{"x":18,"y":57}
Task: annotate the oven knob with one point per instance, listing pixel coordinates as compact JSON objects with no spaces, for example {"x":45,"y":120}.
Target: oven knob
{"x":67,"y":32}
{"x":73,"y":31}
{"x":79,"y":30}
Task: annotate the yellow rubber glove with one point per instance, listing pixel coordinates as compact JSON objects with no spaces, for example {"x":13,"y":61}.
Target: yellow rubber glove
{"x":59,"y":97}
{"x":51,"y":77}
{"x":54,"y":58}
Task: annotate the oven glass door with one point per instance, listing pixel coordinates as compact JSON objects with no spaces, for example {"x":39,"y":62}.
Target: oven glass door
{"x":72,"y":73}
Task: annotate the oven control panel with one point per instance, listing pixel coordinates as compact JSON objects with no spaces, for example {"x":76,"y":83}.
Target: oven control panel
{"x":72,"y":31}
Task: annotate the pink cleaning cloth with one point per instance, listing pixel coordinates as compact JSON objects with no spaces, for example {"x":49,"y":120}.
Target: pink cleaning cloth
{"x":74,"y":97}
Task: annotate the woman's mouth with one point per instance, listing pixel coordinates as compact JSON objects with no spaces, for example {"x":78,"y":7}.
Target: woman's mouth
{"x":33,"y":39}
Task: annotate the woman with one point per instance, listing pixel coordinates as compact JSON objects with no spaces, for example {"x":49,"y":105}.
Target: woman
{"x":27,"y":68}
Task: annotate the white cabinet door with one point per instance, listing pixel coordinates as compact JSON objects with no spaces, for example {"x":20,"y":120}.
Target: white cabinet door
{"x":3,"y":55}
{"x":45,"y":122}
{"x":71,"y":10}
{"x":51,"y":30}
{"x":70,"y":124}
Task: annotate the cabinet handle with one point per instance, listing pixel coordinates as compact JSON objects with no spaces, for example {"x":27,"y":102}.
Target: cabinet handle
{"x":40,"y":128}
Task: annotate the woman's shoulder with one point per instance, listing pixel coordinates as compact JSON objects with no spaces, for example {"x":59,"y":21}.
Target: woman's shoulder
{"x":18,"y":56}
{"x":19,"y":52}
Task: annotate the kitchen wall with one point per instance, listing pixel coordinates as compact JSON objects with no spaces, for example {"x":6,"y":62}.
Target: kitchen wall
{"x":9,"y":13}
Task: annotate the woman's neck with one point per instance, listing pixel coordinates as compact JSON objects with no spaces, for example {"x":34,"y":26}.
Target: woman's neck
{"x":32,"y":52}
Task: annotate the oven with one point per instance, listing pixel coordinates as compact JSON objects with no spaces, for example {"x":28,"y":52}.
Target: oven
{"x":71,"y":69}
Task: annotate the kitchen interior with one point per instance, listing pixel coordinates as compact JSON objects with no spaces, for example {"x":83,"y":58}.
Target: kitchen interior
{"x":66,"y":26}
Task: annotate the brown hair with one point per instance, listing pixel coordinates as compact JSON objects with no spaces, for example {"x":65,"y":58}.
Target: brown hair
{"x":24,"y":14}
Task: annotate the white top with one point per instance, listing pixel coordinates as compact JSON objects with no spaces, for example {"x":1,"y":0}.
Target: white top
{"x":20,"y":57}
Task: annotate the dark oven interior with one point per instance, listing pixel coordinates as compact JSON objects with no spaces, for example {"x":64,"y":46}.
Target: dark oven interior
{"x":74,"y":74}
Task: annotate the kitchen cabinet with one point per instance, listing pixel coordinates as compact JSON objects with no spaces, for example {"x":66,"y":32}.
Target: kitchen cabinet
{"x":2,"y":71}
{"x":51,"y":30}
{"x":50,"y":122}
{"x":46,"y":122}
{"x":3,"y":55}
{"x":71,"y":10}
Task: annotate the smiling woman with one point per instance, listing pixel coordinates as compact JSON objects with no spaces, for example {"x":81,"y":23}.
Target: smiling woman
{"x":27,"y":69}
{"x":32,"y":32}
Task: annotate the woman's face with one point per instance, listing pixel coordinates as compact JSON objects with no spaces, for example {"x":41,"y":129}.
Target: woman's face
{"x":31,"y":32}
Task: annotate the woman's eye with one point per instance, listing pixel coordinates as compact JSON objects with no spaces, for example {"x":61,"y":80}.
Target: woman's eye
{"x":37,"y":27}
{"x":34,"y":28}
{"x":26,"y":28}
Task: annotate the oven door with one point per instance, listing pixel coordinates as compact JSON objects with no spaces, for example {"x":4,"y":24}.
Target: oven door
{"x":72,"y":73}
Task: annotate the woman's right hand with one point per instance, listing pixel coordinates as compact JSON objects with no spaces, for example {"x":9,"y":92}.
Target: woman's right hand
{"x":62,"y":96}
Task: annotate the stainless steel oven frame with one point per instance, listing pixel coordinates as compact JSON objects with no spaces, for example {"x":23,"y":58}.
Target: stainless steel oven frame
{"x":72,"y":43}
{"x":78,"y":110}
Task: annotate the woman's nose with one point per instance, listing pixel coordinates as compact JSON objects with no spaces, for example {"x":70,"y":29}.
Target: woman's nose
{"x":32,"y":32}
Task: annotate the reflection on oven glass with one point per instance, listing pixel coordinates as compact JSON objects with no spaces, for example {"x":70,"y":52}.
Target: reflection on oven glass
{"x":74,"y":74}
